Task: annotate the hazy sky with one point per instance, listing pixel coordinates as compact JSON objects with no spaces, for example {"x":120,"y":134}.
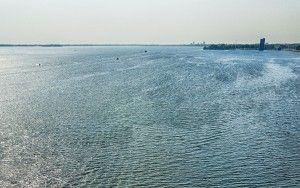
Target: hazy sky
{"x":148,"y":21}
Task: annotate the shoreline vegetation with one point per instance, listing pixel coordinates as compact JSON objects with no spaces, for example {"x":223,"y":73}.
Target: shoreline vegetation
{"x":278,"y":47}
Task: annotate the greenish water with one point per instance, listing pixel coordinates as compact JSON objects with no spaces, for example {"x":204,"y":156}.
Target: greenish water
{"x":175,"y":116}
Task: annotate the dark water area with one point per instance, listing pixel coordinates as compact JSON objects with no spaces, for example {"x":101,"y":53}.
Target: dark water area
{"x":171,"y":117}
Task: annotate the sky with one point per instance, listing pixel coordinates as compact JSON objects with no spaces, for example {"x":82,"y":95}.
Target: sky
{"x":148,"y":21}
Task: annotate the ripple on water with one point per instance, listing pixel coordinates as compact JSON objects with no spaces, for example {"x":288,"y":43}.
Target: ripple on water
{"x":175,"y":116}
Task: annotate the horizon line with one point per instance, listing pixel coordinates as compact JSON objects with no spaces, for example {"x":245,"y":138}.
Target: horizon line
{"x":128,"y":44}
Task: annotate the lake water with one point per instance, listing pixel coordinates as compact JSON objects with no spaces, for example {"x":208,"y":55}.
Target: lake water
{"x":175,"y":116}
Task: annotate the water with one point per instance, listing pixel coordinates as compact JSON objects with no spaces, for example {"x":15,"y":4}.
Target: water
{"x":175,"y":116}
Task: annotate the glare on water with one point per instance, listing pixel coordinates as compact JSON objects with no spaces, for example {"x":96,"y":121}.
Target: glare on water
{"x":174,"y":116}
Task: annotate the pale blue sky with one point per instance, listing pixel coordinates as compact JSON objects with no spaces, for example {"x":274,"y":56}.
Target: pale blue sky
{"x":148,"y":21}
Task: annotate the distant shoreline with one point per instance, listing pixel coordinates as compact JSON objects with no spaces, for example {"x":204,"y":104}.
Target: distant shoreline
{"x":294,"y":47}
{"x":277,"y":47}
{"x":74,"y":45}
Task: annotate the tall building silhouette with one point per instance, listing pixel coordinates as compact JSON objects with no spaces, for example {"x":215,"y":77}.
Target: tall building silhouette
{"x":262,"y":44}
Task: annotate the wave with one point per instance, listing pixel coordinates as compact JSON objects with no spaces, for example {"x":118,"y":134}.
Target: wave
{"x":273,"y":75}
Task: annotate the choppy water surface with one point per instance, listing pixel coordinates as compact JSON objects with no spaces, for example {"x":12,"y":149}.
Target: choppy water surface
{"x":175,"y":116}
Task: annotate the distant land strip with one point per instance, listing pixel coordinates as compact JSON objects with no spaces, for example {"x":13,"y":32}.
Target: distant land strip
{"x":287,"y":47}
{"x":66,"y":45}
{"x":279,"y":47}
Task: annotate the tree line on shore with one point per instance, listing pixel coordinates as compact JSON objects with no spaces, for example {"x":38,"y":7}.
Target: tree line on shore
{"x":252,"y":47}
